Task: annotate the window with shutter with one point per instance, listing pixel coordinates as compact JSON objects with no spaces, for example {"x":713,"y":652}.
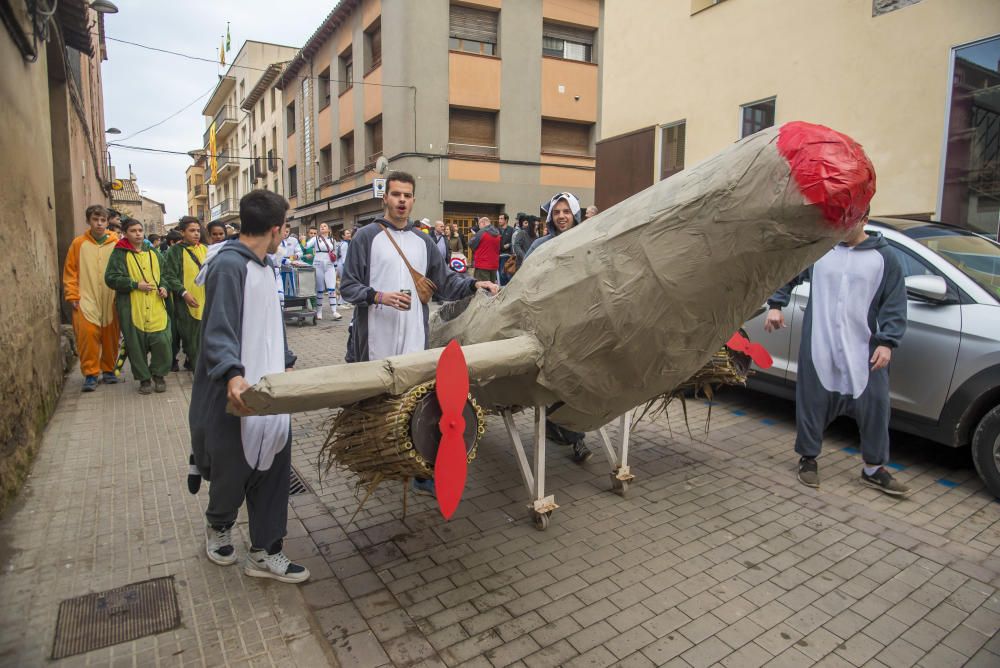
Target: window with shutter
{"x":347,"y":153}
{"x":374,"y":140}
{"x":346,"y":74}
{"x":373,"y":46}
{"x":569,"y":42}
{"x":672,"y":149}
{"x":473,"y":30}
{"x":472,"y":132}
{"x":323,"y":88}
{"x":563,"y":137}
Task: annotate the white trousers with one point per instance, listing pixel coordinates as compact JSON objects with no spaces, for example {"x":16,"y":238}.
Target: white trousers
{"x":326,"y":283}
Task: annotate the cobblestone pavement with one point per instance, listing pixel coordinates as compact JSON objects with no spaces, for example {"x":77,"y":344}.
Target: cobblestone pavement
{"x":716,"y":557}
{"x":107,"y":505}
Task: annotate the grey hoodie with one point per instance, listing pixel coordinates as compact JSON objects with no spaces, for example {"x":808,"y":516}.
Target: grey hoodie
{"x":239,"y":290}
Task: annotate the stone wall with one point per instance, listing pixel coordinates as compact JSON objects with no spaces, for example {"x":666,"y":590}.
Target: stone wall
{"x":31,"y":372}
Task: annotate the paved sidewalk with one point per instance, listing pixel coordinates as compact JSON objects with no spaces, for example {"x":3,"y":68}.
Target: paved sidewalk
{"x":106,"y":505}
{"x":716,"y":557}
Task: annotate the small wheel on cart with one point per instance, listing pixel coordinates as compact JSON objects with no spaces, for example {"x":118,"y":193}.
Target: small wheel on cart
{"x":541,"y":520}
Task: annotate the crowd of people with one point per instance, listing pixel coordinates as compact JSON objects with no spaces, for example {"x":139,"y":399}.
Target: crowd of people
{"x":218,"y":304}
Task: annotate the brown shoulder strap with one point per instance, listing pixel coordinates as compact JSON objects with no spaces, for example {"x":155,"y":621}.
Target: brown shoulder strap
{"x":399,"y":250}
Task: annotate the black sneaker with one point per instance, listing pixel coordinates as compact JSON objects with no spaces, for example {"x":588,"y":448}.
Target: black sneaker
{"x":159,"y":385}
{"x":145,"y":387}
{"x":109,"y":378}
{"x":90,"y":383}
{"x":194,"y":476}
{"x":883,"y":481}
{"x":809,"y":472}
{"x":581,"y":453}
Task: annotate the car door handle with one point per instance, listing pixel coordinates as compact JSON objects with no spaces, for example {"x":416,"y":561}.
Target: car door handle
{"x":802,"y":308}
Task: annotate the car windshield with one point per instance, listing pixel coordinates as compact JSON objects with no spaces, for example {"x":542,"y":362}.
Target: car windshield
{"x":975,"y":256}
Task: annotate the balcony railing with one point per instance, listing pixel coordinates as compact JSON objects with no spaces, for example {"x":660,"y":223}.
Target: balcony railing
{"x":198,"y":190}
{"x":476,"y":150}
{"x":326,"y":179}
{"x":373,"y":157}
{"x":225,"y":209}
{"x":348,"y":169}
{"x":272,"y":162}
{"x":225,"y":161}
{"x":226,"y":119}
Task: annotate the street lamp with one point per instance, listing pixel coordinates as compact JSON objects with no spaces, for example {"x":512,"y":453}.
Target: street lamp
{"x":113,"y":131}
{"x":104,"y":7}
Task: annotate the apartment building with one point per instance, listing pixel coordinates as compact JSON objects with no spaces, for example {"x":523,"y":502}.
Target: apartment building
{"x":491,"y":105}
{"x":244,"y":112}
{"x":196,"y":186}
{"x":915,"y":81}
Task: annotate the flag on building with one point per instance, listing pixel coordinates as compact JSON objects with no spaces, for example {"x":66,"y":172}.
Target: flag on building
{"x":227,"y":35}
{"x":222,"y":53}
{"x":212,"y":162}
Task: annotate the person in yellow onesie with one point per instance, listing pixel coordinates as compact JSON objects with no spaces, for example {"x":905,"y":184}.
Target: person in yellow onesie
{"x":134,"y":272}
{"x":95,"y":322}
{"x":183,"y":262}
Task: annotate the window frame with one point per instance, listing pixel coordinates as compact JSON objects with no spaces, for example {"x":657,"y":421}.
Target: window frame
{"x":290,"y":128}
{"x":663,"y":140}
{"x":773,"y":99}
{"x":345,"y":66}
{"x":324,"y":87}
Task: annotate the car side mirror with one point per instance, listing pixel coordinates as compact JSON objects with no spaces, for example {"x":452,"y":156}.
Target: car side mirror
{"x":927,"y":288}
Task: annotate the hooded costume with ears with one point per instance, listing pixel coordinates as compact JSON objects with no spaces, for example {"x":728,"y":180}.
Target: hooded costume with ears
{"x":95,"y":322}
{"x":553,"y":231}
{"x":142,"y":315}
{"x":182,"y":264}
{"x":245,"y":458}
{"x":857,"y":302}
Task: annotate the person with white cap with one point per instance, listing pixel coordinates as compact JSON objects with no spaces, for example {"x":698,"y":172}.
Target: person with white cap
{"x":562,"y":212}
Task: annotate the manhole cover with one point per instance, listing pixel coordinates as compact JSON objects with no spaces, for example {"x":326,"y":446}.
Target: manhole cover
{"x":115,"y":616}
{"x":296,"y":485}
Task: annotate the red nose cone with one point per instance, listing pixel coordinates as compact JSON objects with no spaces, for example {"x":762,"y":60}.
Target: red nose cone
{"x":831,"y":170}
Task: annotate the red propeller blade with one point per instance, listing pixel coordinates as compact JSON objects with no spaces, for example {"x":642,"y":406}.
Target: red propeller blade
{"x":452,"y":387}
{"x":756,"y":351}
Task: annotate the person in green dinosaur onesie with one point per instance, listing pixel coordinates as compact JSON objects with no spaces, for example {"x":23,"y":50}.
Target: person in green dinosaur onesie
{"x":183,"y":262}
{"x":135,"y":273}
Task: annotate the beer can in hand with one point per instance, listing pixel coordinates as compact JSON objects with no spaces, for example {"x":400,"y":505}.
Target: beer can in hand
{"x":410,"y":295}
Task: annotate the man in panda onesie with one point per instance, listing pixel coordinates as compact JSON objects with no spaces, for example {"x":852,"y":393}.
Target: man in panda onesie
{"x":243,"y":335}
{"x":855,"y":318}
{"x":388,"y":316}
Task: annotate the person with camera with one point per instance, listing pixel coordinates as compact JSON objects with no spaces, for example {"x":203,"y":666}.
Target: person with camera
{"x":392,"y":264}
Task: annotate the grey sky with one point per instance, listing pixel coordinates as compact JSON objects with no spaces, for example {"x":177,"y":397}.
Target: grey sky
{"x":142,"y":87}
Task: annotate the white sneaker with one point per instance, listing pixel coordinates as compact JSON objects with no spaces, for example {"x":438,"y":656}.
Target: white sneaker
{"x":337,"y":316}
{"x":319,"y":315}
{"x":219,"y":546}
{"x":260,"y":564}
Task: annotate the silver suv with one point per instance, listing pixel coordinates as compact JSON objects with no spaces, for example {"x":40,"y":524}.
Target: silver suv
{"x":945,"y":376}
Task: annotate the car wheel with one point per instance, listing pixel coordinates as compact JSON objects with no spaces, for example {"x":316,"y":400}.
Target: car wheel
{"x":986,"y":450}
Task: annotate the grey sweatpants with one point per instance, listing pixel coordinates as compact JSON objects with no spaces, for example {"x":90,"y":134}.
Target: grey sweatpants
{"x":816,"y":407}
{"x":266,"y":492}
